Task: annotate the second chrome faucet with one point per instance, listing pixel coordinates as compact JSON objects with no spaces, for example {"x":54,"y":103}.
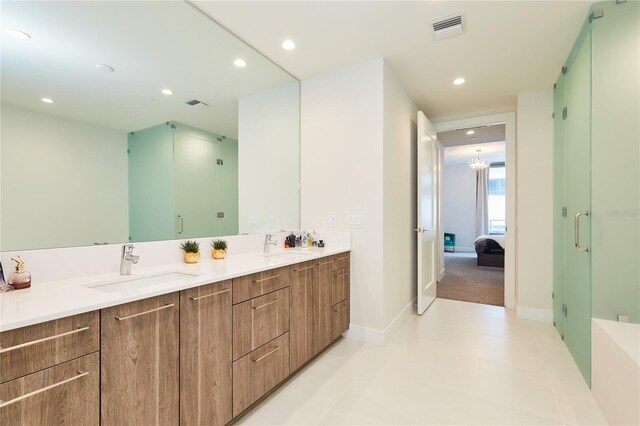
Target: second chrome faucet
{"x":127,"y":259}
{"x":269,"y":239}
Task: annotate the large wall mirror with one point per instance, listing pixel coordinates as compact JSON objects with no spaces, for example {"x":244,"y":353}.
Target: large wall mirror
{"x":140,"y":121}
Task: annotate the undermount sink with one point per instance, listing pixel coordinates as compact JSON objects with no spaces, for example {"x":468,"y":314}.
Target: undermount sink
{"x":288,"y":254}
{"x":130,"y":283}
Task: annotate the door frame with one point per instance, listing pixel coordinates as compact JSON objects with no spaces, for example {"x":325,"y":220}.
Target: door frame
{"x":509,"y":120}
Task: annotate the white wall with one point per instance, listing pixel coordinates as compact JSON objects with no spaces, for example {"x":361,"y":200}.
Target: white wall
{"x":460,"y":204}
{"x":535,"y":204}
{"x":358,"y":155}
{"x":59,"y":178}
{"x":269,"y":157}
{"x":342,"y":174}
{"x":399,"y":199}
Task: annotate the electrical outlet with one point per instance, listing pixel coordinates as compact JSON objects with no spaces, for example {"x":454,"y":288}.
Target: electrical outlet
{"x":269,"y":220}
{"x":333,"y":221}
{"x":254,"y":221}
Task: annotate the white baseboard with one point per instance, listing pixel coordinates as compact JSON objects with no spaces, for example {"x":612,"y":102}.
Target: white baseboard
{"x":535,"y":314}
{"x":380,"y":337}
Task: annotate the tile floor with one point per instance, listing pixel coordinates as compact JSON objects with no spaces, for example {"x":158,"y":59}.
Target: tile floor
{"x":460,"y":363}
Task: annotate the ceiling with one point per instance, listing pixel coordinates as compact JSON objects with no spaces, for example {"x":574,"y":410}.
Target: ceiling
{"x":152,"y":46}
{"x":508,"y":47}
{"x":482,"y":134}
{"x":493,"y":152}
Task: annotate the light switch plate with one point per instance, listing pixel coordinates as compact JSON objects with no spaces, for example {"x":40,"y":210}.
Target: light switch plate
{"x":355,"y":221}
{"x":254,"y":221}
{"x":269,"y":220}
{"x":333,"y":221}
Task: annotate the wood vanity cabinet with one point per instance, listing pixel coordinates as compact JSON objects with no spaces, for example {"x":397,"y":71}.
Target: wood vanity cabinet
{"x":140,"y":362}
{"x":66,"y":394}
{"x":50,"y":373}
{"x":29,"y":349}
{"x":202,"y":356}
{"x":206,"y":355}
{"x":319,"y":294}
{"x":305,"y":312}
{"x":340,"y":290}
{"x":259,"y":320}
{"x":257,"y":373}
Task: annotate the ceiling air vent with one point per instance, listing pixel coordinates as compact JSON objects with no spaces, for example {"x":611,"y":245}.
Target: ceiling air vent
{"x":194,"y":103}
{"x":448,"y":27}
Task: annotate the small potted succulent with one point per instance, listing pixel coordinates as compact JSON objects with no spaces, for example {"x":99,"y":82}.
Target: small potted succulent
{"x":191,"y":251}
{"x":219,"y":250}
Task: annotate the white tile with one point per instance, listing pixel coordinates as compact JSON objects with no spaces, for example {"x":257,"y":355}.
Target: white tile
{"x":460,"y":363}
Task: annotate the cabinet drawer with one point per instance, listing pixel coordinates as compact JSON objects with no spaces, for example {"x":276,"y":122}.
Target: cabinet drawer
{"x":339,"y":285}
{"x":258,"y":372}
{"x":254,"y":285}
{"x":340,"y":261}
{"x":339,"y":319}
{"x":29,"y":349}
{"x":67,"y":394}
{"x":260,"y":320}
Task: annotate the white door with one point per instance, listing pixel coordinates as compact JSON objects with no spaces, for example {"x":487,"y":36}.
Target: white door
{"x":427,"y":230}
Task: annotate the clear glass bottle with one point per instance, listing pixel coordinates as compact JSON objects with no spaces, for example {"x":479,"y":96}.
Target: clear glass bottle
{"x":19,"y":279}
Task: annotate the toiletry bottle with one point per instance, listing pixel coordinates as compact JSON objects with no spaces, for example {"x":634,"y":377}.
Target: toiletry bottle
{"x":304,"y":238}
{"x":4,"y":287}
{"x":315,"y":238}
{"x":298,"y":241}
{"x":20,"y":279}
{"x":310,"y":240}
{"x":321,"y":244}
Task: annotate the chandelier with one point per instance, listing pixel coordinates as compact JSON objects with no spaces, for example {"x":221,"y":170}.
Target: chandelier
{"x":478,"y":162}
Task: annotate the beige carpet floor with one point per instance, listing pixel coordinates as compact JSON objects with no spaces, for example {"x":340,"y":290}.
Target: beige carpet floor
{"x":467,"y":282}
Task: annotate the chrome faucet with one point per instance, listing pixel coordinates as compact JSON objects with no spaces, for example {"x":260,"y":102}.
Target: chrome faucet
{"x":269,"y":239}
{"x":127,"y":259}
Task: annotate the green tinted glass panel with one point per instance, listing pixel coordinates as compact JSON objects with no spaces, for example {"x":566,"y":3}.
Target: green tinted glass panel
{"x":577,"y":139}
{"x":559,"y":220}
{"x":151,"y":184}
{"x":615,"y":161}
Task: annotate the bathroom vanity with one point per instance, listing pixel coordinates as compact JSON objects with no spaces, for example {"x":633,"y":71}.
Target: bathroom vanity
{"x":204,"y":351}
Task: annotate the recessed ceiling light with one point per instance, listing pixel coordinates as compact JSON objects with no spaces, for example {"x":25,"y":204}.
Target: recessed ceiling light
{"x":288,"y":45}
{"x":19,"y":34}
{"x":105,"y":68}
{"x":471,"y":132}
{"x":167,"y":92}
{"x":240,"y":63}
{"x":458,"y":81}
{"x":47,"y":100}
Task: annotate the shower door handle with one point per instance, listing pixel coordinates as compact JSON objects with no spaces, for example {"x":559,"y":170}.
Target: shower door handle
{"x":576,"y":231}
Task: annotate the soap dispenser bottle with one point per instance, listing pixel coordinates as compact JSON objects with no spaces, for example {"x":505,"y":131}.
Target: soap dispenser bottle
{"x":19,"y":279}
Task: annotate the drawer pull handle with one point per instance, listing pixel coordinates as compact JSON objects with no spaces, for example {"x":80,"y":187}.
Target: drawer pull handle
{"x":336,"y":309}
{"x":341,"y":258}
{"x":44,"y":389}
{"x":44,"y":339}
{"x":342,"y":274}
{"x":209,"y":295}
{"x":304,"y":269}
{"x":146,"y":312}
{"x":266,"y":355}
{"x":266,"y":279}
{"x":266,"y":304}
{"x":326,"y":263}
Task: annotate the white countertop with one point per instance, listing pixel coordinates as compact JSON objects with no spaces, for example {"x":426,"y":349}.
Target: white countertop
{"x":57,"y":299}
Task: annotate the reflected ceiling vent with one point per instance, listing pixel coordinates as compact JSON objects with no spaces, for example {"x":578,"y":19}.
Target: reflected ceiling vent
{"x":448,"y":27}
{"x":194,"y":103}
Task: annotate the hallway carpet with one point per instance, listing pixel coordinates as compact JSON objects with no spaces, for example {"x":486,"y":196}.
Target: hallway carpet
{"x":467,"y":282}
